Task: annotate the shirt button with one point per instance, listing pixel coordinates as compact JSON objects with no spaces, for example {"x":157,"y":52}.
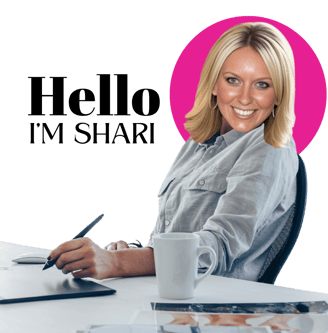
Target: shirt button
{"x":167,"y":222}
{"x":201,"y":182}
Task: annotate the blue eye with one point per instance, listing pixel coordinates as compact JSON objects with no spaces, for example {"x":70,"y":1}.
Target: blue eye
{"x":262,"y":85}
{"x":232,"y":80}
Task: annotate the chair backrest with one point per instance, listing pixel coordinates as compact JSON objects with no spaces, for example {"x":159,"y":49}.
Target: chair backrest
{"x":297,"y":215}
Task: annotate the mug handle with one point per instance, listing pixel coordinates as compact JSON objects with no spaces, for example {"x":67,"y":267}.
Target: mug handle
{"x":200,"y":250}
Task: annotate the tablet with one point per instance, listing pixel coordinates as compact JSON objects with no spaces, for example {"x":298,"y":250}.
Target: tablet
{"x":31,"y":283}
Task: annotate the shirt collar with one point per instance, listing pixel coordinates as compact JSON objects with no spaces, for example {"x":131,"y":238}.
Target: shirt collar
{"x":232,"y":136}
{"x":229,"y":138}
{"x":210,"y":142}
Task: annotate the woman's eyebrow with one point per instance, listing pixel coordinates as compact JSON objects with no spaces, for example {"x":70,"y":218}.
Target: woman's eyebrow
{"x":260,"y":78}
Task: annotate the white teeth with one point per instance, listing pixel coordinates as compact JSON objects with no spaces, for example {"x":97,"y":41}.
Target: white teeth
{"x":244,"y":113}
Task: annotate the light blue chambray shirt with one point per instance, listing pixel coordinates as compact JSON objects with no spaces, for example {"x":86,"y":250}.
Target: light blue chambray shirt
{"x":236,"y":194}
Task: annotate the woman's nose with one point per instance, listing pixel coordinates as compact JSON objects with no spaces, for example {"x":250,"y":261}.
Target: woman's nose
{"x":245,"y":96}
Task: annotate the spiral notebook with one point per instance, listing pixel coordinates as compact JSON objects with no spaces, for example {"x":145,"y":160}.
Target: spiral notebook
{"x":30,"y":283}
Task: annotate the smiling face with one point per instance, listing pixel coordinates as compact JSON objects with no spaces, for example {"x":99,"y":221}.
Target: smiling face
{"x":244,"y":91}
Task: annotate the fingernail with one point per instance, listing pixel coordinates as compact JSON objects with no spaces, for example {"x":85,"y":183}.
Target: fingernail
{"x":64,"y":271}
{"x":49,"y":258}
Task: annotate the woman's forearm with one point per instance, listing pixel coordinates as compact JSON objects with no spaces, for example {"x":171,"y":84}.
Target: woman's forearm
{"x":133,"y":262}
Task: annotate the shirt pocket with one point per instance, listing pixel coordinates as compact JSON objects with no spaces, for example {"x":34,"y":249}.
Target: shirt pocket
{"x":165,"y":186}
{"x":213,"y":182}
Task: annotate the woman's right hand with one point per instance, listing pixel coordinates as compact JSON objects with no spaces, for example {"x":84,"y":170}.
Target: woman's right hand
{"x":120,"y":245}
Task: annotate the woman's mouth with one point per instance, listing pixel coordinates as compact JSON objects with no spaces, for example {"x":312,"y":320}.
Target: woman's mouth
{"x":243,"y":113}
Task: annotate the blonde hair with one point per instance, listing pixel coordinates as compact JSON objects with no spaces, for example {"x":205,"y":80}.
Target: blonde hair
{"x":203,"y":121}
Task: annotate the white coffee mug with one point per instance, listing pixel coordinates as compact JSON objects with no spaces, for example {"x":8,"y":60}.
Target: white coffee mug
{"x":176,"y":263}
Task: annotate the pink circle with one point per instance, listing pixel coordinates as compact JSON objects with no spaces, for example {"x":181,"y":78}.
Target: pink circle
{"x":311,"y":93}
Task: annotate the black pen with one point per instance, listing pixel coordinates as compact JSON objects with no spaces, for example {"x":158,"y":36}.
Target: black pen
{"x":79,"y":235}
{"x":137,"y":244}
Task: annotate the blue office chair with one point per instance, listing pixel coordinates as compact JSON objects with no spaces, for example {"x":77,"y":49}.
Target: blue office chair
{"x":282,"y":247}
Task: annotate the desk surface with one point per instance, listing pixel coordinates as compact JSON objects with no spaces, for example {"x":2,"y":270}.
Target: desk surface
{"x":70,"y":315}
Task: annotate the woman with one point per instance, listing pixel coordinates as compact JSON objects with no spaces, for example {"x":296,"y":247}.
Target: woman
{"x":234,"y":181}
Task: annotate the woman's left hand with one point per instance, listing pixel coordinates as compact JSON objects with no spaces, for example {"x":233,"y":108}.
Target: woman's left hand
{"x":120,"y":245}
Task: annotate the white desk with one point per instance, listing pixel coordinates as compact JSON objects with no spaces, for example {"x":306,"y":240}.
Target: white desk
{"x":70,"y":315}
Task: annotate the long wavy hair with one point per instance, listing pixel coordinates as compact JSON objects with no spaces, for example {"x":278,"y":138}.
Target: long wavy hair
{"x":203,"y":121}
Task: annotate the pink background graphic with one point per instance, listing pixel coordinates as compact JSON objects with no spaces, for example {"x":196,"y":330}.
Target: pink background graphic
{"x":311,"y":93}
